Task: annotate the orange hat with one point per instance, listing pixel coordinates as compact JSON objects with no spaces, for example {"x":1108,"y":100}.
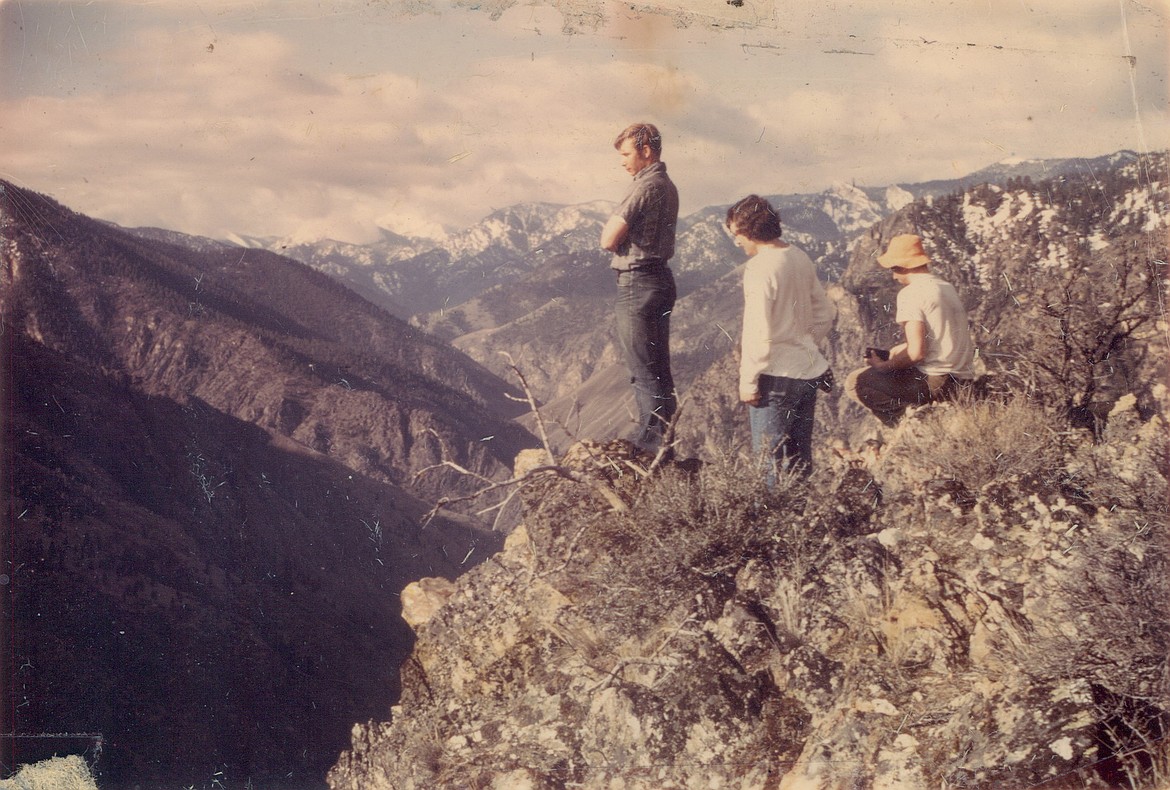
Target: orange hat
{"x":904,"y":251}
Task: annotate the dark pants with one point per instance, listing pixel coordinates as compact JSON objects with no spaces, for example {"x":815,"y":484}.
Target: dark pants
{"x":889,"y":394}
{"x":782,"y":425}
{"x":645,"y":299}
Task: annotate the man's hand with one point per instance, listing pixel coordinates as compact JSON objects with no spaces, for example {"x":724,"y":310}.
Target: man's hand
{"x":876,"y":362}
{"x":902,"y":355}
{"x":751,"y":400}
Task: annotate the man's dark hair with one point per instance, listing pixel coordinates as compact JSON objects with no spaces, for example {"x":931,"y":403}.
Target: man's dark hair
{"x":642,"y":134}
{"x":755,"y":218}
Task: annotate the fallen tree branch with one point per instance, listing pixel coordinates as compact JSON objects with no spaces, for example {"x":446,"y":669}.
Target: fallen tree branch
{"x":607,"y":493}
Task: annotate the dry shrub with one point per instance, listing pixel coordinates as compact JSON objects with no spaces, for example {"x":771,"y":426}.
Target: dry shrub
{"x":1114,"y":605}
{"x":1121,"y":605}
{"x":979,"y":441}
{"x":688,"y":533}
{"x":1127,"y":584}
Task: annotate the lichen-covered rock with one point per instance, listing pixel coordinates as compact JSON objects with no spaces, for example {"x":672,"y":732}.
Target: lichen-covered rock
{"x":421,"y":599}
{"x":898,"y":630}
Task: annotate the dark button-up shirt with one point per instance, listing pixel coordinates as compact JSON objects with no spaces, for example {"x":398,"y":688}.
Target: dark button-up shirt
{"x":650,"y":209}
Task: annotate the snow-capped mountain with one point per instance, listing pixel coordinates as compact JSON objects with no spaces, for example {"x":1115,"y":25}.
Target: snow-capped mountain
{"x":850,"y":208}
{"x":527,"y":227}
{"x":412,"y":277}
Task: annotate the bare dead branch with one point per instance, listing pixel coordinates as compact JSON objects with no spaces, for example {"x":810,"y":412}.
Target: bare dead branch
{"x":450,"y":465}
{"x":532,"y":405}
{"x":515,"y":483}
{"x":668,"y":441}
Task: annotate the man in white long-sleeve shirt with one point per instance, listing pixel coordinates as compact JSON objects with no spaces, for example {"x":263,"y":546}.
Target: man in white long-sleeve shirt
{"x":786,"y":314}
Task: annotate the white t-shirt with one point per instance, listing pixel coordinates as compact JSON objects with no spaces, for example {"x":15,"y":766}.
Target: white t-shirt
{"x":785,"y":314}
{"x":936,"y":303}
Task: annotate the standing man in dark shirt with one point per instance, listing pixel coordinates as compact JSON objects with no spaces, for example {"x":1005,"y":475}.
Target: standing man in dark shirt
{"x":640,"y":234}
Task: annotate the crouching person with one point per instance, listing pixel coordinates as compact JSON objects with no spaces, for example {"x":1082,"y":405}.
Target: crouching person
{"x":938,"y":357}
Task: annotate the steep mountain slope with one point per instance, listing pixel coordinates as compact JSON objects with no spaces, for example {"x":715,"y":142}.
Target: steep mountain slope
{"x":209,"y":456}
{"x":256,"y":335}
{"x":569,"y":353}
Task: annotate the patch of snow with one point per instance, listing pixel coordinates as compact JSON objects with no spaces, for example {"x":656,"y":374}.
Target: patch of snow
{"x":897,"y":198}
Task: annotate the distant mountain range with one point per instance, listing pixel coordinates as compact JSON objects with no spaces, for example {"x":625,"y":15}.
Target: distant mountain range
{"x":415,"y":276}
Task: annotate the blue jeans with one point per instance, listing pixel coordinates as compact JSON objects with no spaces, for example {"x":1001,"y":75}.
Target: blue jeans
{"x":782,"y":425}
{"x":645,"y":299}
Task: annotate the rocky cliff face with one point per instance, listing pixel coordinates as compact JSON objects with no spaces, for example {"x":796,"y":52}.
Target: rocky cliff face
{"x":998,"y":623}
{"x":976,"y":599}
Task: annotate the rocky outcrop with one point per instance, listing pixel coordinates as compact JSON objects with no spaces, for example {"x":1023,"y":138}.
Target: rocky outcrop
{"x":905,"y":625}
{"x":421,"y":599}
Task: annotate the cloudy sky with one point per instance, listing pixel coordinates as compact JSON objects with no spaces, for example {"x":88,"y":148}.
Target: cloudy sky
{"x":331,"y":118}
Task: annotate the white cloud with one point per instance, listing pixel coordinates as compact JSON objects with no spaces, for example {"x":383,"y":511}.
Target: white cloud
{"x":277,"y":118}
